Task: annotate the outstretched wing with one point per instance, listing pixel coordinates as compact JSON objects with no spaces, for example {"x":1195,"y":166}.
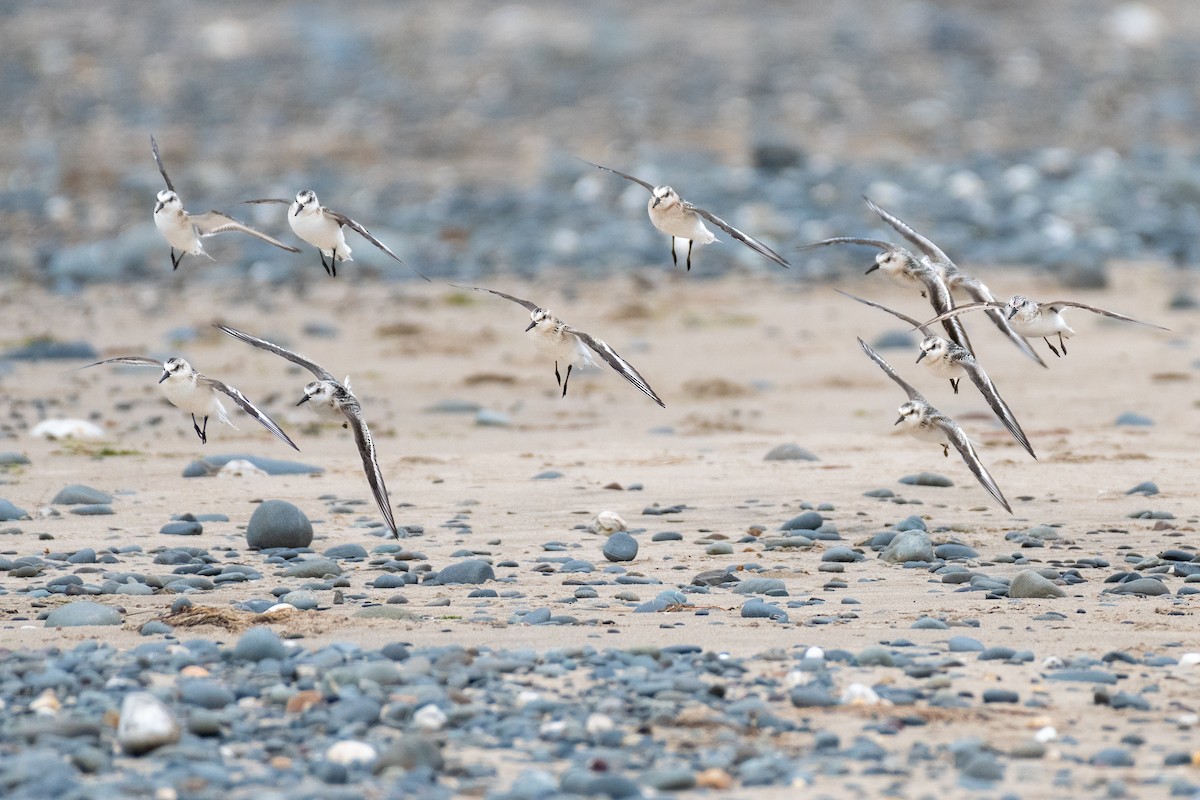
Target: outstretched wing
{"x":616,"y":362}
{"x":903,"y":317}
{"x":526,"y":303}
{"x":878,"y":243}
{"x":1003,"y":413}
{"x":963,"y":309}
{"x":137,"y":361}
{"x":158,"y":160}
{"x":366,"y":449}
{"x":962,"y":444}
{"x":940,"y":299}
{"x":1058,"y":304}
{"x":978,"y":290}
{"x":913,"y":394}
{"x":248,"y":407}
{"x":312,"y":366}
{"x":649,"y":186}
{"x":278,"y":200}
{"x":746,"y":239}
{"x":931,"y":250}
{"x":210,"y":223}
{"x":342,"y":219}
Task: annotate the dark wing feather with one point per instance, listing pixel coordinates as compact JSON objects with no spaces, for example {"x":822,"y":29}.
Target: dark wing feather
{"x":498,"y":293}
{"x":616,"y":362}
{"x":903,"y":317}
{"x":913,"y":394}
{"x":992,"y":395}
{"x":342,"y":219}
{"x":210,"y":223}
{"x":137,"y":361}
{"x":649,"y":187}
{"x":940,"y":299}
{"x":746,"y":239}
{"x":963,"y":309}
{"x":316,"y":369}
{"x":979,"y":291}
{"x":158,"y":161}
{"x":249,"y":408}
{"x":926,"y":246}
{"x":879,"y":243}
{"x":366,"y":448}
{"x":962,"y":444}
{"x":1057,"y":304}
{"x":279,"y":200}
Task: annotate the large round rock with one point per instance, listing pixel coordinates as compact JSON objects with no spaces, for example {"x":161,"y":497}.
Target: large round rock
{"x":276,"y":523}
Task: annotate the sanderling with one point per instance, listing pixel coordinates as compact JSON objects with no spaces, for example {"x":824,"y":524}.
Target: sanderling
{"x":905,"y":269}
{"x":1030,"y":318}
{"x":954,"y":277}
{"x":567,"y":344}
{"x":322,"y":228}
{"x":333,"y":400}
{"x":681,"y":220}
{"x":925,"y":422}
{"x":183,"y":230}
{"x":197,"y":394}
{"x":945,"y":359}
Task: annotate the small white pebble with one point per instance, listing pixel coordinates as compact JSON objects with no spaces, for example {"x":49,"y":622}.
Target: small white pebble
{"x":1046,"y":734}
{"x":1189,"y":659}
{"x":858,"y":694}
{"x":598,"y":723}
{"x":1052,"y":662}
{"x":430,"y":718}
{"x":526,"y":697}
{"x":815,"y":653}
{"x":349,"y":752}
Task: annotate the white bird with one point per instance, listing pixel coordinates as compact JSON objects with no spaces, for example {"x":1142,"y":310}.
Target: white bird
{"x":571,"y":345}
{"x":946,"y":359}
{"x":925,"y":422}
{"x":954,"y":277}
{"x":183,"y":231}
{"x":675,"y":216}
{"x":1030,"y":318}
{"x":197,"y":394}
{"x":322,"y":228}
{"x":332,"y":400}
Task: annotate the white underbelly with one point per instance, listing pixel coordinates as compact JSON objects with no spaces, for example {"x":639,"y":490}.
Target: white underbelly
{"x":322,"y":233}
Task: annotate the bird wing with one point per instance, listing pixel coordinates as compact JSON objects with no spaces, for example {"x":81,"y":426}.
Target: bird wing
{"x":312,"y":366}
{"x":746,"y":239}
{"x":248,"y":407}
{"x":1057,"y":304}
{"x":342,"y":219}
{"x":211,"y":223}
{"x":954,"y":433}
{"x":278,"y":200}
{"x":137,"y":361}
{"x":963,"y":309}
{"x":649,"y":186}
{"x":978,"y":290}
{"x":616,"y":362}
{"x":529,"y":305}
{"x":366,"y":449}
{"x":942,"y":302}
{"x":931,"y":250}
{"x":1003,"y":413}
{"x":158,"y":160}
{"x":913,"y":394}
{"x":903,"y":317}
{"x":879,"y":243}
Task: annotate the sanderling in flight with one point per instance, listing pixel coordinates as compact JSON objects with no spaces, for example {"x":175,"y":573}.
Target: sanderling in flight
{"x":681,"y":220}
{"x":1030,"y":318}
{"x":925,"y":422}
{"x":183,"y":231}
{"x":570,"y":345}
{"x":322,"y":228}
{"x":333,"y":400}
{"x":905,"y":269}
{"x":954,"y":277}
{"x":945,"y":359}
{"x":197,"y":394}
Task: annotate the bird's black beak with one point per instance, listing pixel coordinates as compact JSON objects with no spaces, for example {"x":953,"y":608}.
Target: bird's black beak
{"x":158,"y":207}
{"x":657,"y":200}
{"x":165,"y":375}
{"x":532,"y":325}
{"x":303,"y":400}
{"x":898,"y":421}
{"x":1012,"y":313}
{"x":872,"y":268}
{"x":296,"y":213}
{"x":920,"y":357}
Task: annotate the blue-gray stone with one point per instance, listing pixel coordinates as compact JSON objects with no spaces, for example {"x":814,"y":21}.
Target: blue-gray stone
{"x":757,"y":609}
{"x":1000,"y":696}
{"x":453,"y":407}
{"x":964,"y":644}
{"x":620,"y":547}
{"x":953,"y":551}
{"x":92,"y":510}
{"x":894,"y":340}
{"x":1146,"y":488}
{"x":926,"y":479}
{"x":9,"y":512}
{"x":842,"y":554}
{"x":473,"y":570}
{"x":913,"y":545}
{"x":913,"y":523}
{"x":1081,"y":676}
{"x":548,"y":475}
{"x":390,"y":580}
{"x":155,"y":628}
{"x":773,"y":587}
{"x":789,"y":452}
{"x":812,"y":695}
{"x":258,"y":644}
{"x":277,"y":523}
{"x":9,"y":458}
{"x":1145,"y":587}
{"x":82,"y":612}
{"x":930,"y":623}
{"x":1112,"y":757}
{"x":1030,"y":584}
{"x":808,"y":521}
{"x":182,"y":528}
{"x":46,"y":349}
{"x":205,"y":693}
{"x":488,"y":418}
{"x":77,"y":495}
{"x":1130,"y":418}
{"x":313,"y":568}
{"x":211,"y":465}
{"x":301,"y":599}
{"x":349,"y":550}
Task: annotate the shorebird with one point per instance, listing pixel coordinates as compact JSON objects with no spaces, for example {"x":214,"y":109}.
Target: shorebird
{"x":332,"y":400}
{"x":183,"y":231}
{"x":954,"y":278}
{"x":197,"y":394}
{"x":945,"y":359}
{"x":570,"y":345}
{"x":1030,"y":318}
{"x":322,"y":228}
{"x":905,"y":269}
{"x":675,"y":216}
{"x":925,"y":422}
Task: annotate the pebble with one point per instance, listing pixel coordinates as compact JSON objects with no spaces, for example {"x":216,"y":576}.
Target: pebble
{"x":1145,"y":488}
{"x":82,"y":612}
{"x":10,"y":512}
{"x":9,"y":458}
{"x":78,"y":494}
{"x":278,"y":523}
{"x":620,"y":547}
{"x":926,"y":479}
{"x":607,"y":522}
{"x":92,"y":510}
{"x":182,"y":528}
{"x":472,"y":570}
{"x":757,"y":608}
{"x":913,"y":545}
{"x":487,"y":418}
{"x":211,"y":465}
{"x":351,"y":753}
{"x":146,"y":724}
{"x":1130,"y":418}
{"x":258,"y":644}
{"x":1145,"y":587}
{"x":1030,"y":584}
{"x":808,"y":521}
{"x":58,"y":429}
{"x":789,"y":452}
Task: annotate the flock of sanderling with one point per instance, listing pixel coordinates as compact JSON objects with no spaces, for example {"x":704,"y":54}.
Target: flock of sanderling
{"x":931,"y":272}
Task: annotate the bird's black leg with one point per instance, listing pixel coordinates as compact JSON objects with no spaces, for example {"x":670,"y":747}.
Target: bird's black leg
{"x":674,"y":260}
{"x":175,"y":261}
{"x":954,"y":384}
{"x":946,"y":450}
{"x":689,"y":258}
{"x":201,"y":432}
{"x":323,"y":264}
{"x":333,"y":264}
{"x":1062,"y":344}
{"x":557,"y":377}
{"x":564,"y":394}
{"x":1053,"y":349}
